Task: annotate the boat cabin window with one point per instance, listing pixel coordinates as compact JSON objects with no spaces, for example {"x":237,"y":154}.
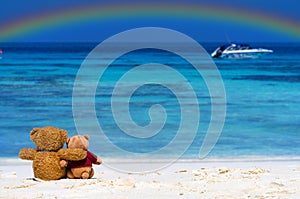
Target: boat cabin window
{"x":232,"y":48}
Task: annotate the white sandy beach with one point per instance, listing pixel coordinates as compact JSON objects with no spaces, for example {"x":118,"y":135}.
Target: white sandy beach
{"x":184,"y":179}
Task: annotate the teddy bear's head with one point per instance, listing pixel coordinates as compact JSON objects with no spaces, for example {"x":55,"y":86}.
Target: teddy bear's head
{"x":48,"y":138}
{"x":78,"y":141}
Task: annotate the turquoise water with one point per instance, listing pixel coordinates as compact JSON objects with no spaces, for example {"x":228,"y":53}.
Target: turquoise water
{"x":263,"y":99}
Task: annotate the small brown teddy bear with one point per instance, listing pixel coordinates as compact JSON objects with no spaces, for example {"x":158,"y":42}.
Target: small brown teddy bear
{"x":49,"y":159}
{"x":83,"y":168}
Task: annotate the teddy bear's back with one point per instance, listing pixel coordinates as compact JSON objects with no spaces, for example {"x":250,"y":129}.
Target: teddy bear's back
{"x":46,"y":166}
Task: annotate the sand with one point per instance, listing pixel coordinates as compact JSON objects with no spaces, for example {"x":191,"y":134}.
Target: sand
{"x":219,"y":178}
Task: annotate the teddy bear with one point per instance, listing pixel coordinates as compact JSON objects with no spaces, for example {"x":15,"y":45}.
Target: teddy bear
{"x":83,"y":168}
{"x":49,"y":157}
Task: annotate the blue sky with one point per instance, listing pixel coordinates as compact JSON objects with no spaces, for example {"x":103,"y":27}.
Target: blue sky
{"x":203,"y":30}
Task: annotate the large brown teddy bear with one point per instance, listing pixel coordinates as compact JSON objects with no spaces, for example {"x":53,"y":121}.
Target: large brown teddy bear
{"x":83,"y":168}
{"x":49,"y":159}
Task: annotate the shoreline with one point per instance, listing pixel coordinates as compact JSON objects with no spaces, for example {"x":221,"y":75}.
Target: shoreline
{"x":216,"y":178}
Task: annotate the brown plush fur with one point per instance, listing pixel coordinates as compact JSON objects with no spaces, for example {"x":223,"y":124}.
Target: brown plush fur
{"x":49,"y":159}
{"x":85,"y":172}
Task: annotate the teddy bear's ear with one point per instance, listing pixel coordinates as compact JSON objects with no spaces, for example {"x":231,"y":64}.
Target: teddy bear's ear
{"x":33,"y":133}
{"x":86,"y":137}
{"x":64,"y":134}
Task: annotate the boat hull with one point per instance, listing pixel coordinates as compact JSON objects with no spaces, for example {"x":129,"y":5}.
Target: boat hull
{"x":246,"y":54}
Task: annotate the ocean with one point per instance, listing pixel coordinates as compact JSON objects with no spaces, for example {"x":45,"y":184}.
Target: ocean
{"x":262,"y":100}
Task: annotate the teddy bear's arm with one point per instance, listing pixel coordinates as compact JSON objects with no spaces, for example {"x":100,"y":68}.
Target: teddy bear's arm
{"x":99,"y":161}
{"x":72,"y":154}
{"x":27,"y":154}
{"x":94,"y":158}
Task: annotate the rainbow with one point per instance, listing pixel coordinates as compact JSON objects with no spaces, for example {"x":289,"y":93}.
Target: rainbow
{"x":39,"y":21}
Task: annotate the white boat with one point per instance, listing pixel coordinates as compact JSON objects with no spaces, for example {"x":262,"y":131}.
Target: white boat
{"x":239,"y":51}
